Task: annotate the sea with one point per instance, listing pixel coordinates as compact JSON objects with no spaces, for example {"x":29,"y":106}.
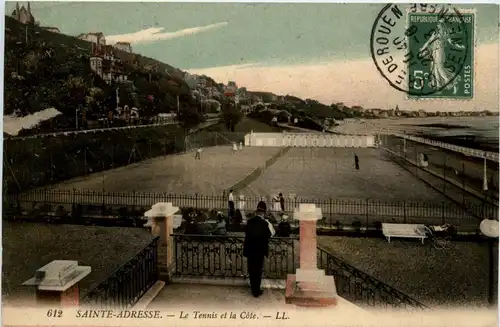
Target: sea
{"x":480,"y":132}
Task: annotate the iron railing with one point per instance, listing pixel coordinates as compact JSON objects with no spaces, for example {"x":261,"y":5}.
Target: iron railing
{"x":362,"y":289}
{"x":457,"y":177}
{"x":335,"y":211}
{"x":126,"y":285}
{"x":451,"y":147}
{"x":463,"y":168}
{"x":222,"y":256}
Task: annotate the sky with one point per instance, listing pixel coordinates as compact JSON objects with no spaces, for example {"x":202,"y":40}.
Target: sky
{"x":319,"y":51}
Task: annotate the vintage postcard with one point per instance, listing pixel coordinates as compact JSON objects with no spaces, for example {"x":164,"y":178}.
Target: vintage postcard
{"x":250,"y":164}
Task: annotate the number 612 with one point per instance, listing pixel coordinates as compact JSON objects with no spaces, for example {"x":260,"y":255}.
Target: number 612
{"x":54,"y":313}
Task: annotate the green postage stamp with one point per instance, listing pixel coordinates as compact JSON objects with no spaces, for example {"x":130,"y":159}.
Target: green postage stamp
{"x":444,"y":43}
{"x":426,"y":51}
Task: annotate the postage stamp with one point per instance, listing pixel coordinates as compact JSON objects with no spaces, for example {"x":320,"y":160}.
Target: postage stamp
{"x":447,"y":64}
{"x":426,"y":51}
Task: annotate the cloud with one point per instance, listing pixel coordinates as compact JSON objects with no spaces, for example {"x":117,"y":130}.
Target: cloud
{"x":156,"y":34}
{"x":358,"y":82}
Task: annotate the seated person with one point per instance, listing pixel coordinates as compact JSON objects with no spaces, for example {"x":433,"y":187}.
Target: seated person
{"x":284,"y":227}
{"x":220,"y":227}
{"x":191,"y":224}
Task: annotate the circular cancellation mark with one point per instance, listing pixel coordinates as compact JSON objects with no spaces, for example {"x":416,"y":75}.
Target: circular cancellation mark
{"x":420,"y":52}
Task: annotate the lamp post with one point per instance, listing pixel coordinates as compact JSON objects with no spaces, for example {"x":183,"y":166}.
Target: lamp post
{"x":489,"y":228}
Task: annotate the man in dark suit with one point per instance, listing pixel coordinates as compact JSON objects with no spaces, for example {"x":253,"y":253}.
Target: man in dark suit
{"x":258,"y":231}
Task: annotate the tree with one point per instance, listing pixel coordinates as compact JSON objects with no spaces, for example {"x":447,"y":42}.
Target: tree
{"x":31,"y":61}
{"x":189,"y":117}
{"x":230,"y":115}
{"x":93,"y":99}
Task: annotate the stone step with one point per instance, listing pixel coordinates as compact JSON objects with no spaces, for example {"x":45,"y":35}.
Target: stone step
{"x":229,"y":281}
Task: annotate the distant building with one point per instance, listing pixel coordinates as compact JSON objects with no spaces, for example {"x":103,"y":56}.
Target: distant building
{"x":124,"y":46}
{"x":243,"y":93}
{"x":231,"y":89}
{"x":267,"y":97}
{"x":104,"y":63}
{"x":23,"y":15}
{"x":97,"y":38}
{"x":51,"y":29}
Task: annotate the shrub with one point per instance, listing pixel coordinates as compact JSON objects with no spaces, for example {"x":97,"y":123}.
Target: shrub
{"x":356,"y":225}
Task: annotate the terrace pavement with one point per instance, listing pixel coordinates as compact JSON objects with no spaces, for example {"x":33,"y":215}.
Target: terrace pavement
{"x":218,"y":299}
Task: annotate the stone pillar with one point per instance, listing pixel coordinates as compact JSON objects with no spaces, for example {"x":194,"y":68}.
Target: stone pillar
{"x":166,"y":211}
{"x":57,"y":283}
{"x":309,"y":286}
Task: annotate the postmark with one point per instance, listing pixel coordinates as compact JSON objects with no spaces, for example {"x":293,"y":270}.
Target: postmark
{"x":426,"y":51}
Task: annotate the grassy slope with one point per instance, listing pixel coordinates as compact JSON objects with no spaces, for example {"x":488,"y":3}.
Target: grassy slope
{"x":46,"y":60}
{"x":81,"y":46}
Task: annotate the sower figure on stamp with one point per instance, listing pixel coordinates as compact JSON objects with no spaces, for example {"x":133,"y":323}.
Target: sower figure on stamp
{"x":435,"y":49}
{"x":258,"y":231}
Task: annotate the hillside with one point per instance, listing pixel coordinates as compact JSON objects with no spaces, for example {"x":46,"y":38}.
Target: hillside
{"x":45,"y":69}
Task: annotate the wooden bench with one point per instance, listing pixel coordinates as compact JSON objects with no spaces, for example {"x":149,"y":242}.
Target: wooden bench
{"x":404,"y":231}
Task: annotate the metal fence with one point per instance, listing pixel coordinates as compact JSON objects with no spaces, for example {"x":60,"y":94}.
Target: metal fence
{"x":362,"y":289}
{"x":39,"y":161}
{"x":336,"y":212}
{"x":222,"y":256}
{"x":452,"y":147}
{"x":123,"y":288}
{"x":458,"y":177}
{"x":203,"y":139}
{"x":35,"y":162}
